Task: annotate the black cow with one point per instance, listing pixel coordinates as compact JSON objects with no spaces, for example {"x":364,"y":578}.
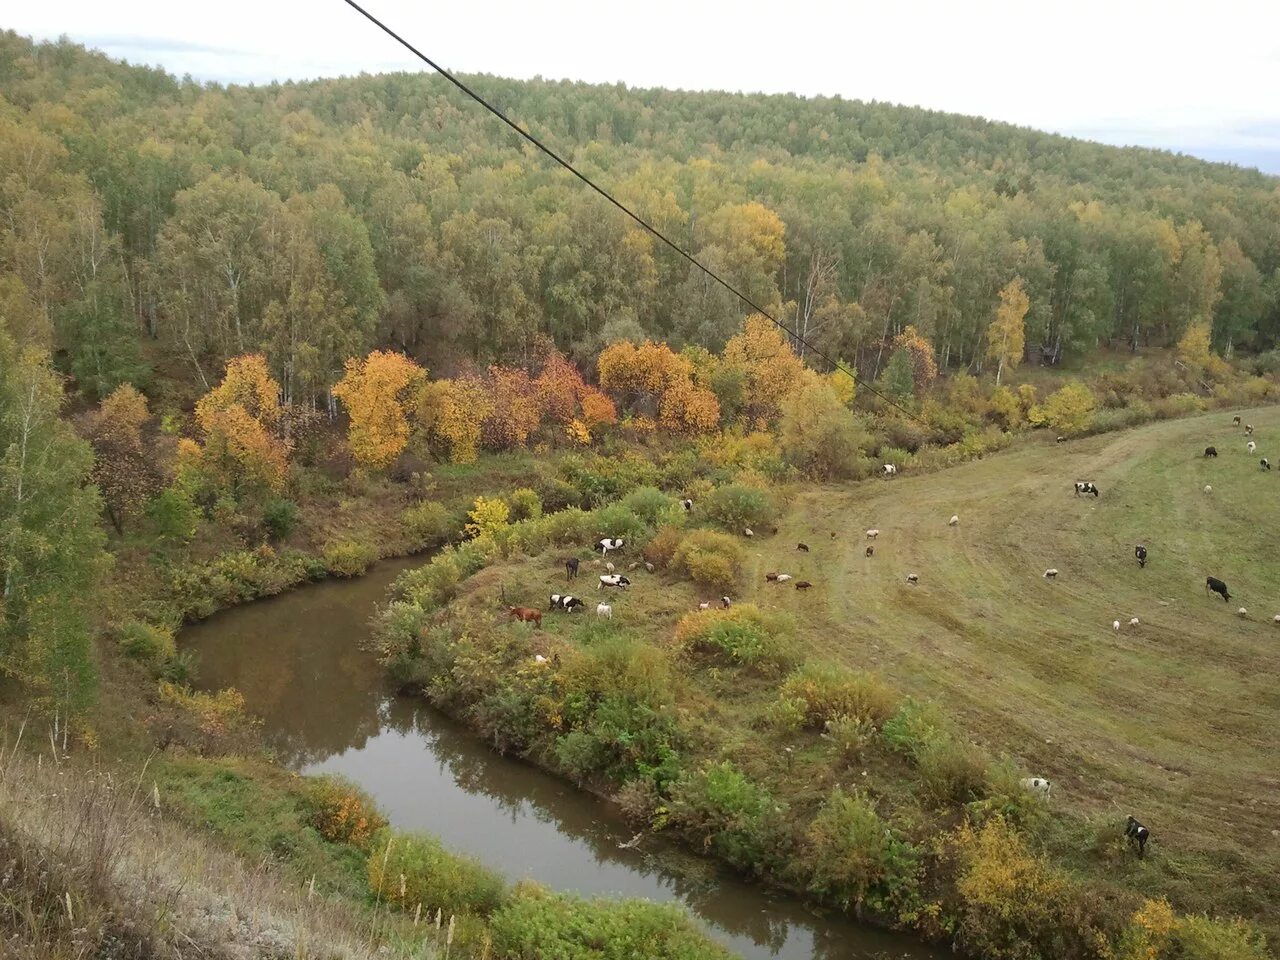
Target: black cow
{"x":1141,"y":553}
{"x":571,"y":568}
{"x":1235,"y":421}
{"x":1218,"y":587}
{"x":1137,"y":833}
{"x":563,"y":601}
{"x":1210,"y":451}
{"x":870,"y":550}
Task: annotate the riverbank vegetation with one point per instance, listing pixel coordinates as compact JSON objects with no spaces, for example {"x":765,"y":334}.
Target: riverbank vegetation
{"x":251,"y":337}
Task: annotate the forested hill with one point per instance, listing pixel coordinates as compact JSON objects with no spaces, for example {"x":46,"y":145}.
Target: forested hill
{"x":149,"y":221}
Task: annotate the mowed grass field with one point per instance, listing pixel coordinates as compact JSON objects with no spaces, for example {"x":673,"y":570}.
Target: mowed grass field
{"x":1174,"y":720}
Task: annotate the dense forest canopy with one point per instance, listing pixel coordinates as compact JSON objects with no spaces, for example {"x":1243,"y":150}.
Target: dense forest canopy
{"x":316,"y":221}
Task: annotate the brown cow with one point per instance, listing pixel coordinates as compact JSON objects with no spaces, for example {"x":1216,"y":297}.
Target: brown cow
{"x":527,"y":614}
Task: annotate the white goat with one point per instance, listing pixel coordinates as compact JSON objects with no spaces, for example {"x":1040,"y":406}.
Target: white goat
{"x":954,"y":521}
{"x":604,"y":610}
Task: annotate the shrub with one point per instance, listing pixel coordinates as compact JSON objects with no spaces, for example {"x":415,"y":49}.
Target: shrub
{"x":649,"y":504}
{"x":174,"y":514}
{"x":208,"y":721}
{"x":662,"y":547}
{"x":850,"y":736}
{"x":525,"y":504}
{"x":738,"y":819}
{"x":786,"y":714}
{"x":736,"y":506}
{"x":1068,"y":411}
{"x":710,"y":559}
{"x":950,"y":770}
{"x":830,"y":692}
{"x":488,"y":515}
{"x":142,"y":641}
{"x":279,"y":517}
{"x":568,"y":928}
{"x":556,"y":494}
{"x":428,"y":525}
{"x":741,"y":635}
{"x":349,"y":558}
{"x":849,"y":852}
{"x":412,"y":869}
{"x":1157,"y":933}
{"x":342,"y":813}
{"x":638,"y":800}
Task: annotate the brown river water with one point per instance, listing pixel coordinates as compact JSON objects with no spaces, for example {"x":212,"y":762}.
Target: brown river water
{"x":326,"y":707}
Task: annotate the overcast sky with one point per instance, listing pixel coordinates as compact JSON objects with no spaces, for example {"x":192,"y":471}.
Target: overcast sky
{"x":1200,"y":77}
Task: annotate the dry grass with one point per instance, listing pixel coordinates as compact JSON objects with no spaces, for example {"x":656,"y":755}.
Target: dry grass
{"x":92,"y":866}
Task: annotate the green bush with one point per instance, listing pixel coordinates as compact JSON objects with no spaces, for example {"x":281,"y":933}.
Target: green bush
{"x":556,"y":494}
{"x":568,"y":928}
{"x":950,"y":770}
{"x":736,"y":507}
{"x":743,"y":634}
{"x":912,"y":725}
{"x":831,"y":692}
{"x":525,"y":504}
{"x":142,"y":641}
{"x":279,"y":517}
{"x":650,"y":504}
{"x":850,"y":736}
{"x":411,"y":869}
{"x":742,"y":820}
{"x":851,"y":856}
{"x":349,"y":558}
{"x":174,"y":514}
{"x":710,"y":559}
{"x":428,"y":525}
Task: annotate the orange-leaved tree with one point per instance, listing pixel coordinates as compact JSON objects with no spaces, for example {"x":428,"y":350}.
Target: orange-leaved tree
{"x":924,"y":368}
{"x":452,"y":412}
{"x":688,"y":408}
{"x":638,"y":376}
{"x":517,"y":410}
{"x":377,"y":391}
{"x":559,"y":385}
{"x":239,"y":419}
{"x":769,"y":365}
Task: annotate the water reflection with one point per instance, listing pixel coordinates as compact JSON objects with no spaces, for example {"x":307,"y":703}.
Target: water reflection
{"x":326,"y":708}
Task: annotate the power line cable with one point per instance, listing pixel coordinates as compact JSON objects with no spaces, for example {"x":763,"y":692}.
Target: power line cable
{"x":835,"y":364}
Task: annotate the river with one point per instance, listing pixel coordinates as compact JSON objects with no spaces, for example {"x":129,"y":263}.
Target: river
{"x":326,"y":707}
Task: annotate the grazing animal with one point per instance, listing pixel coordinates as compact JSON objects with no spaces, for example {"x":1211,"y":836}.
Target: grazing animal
{"x":633,"y":566}
{"x":954,"y":521}
{"x":913,"y":578}
{"x":687,"y":503}
{"x":784,"y":577}
{"x":1141,"y":553}
{"x":889,"y":469}
{"x":1265,"y":463}
{"x":1276,"y":618}
{"x":614,"y":580}
{"x":1210,"y":451}
{"x":564,"y":601}
{"x":1218,"y":587}
{"x":1248,"y":429}
{"x":1208,"y":488}
{"x":870,"y":550}
{"x":609,"y":566}
{"x":1037,"y":785}
{"x":1062,"y":440}
{"x":705,"y":605}
{"x":1137,"y":833}
{"x":802,"y":546}
{"x":803,"y":584}
{"x":1252,"y":446}
{"x":725,"y":603}
{"x":872,"y":534}
{"x":833,"y":534}
{"x":527,"y":615}
{"x":648,"y":566}
{"x":539,"y":658}
{"x":1051,"y":573}
{"x":771,"y":577}
{"x":609,"y":543}
{"x":571,"y":568}
{"x":1235,"y":421}
{"x":1115,"y":625}
{"x":748,"y":532}
{"x":604,"y":610}
{"x":1243,"y":612}
{"x":1133,"y":621}
{"x":1086,"y":486}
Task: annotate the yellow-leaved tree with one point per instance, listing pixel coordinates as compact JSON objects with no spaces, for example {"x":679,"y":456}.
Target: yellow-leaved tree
{"x":1007,"y":335}
{"x":377,"y":391}
{"x":240,"y":421}
{"x":768,"y":364}
{"x":924,"y":366}
{"x":1069,"y":410}
{"x":452,"y":413}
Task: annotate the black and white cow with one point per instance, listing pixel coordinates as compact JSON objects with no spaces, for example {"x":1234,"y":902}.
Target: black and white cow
{"x":1265,"y":463}
{"x":606,"y":544}
{"x":1141,"y":553}
{"x":565,"y":601}
{"x":1137,"y":833}
{"x":1218,"y":587}
{"x":1086,"y":486}
{"x":614,"y":580}
{"x":687,"y":503}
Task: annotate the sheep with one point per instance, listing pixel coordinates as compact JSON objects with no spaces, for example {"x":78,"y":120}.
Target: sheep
{"x":1208,"y":488}
{"x":633,"y":566}
{"x":748,"y":532}
{"x":1062,"y":440}
{"x":1251,"y":446}
{"x":913,"y":578}
{"x":771,"y":578}
{"x":1235,"y":421}
{"x":604,"y":610}
{"x":539,"y":658}
{"x":1137,"y":833}
{"x":1133,"y":621}
{"x":1115,"y":625}
{"x":802,"y":547}
{"x":783,"y":577}
{"x":648,"y":566}
{"x":1051,"y":573}
{"x":803,"y":584}
{"x":870,"y":550}
{"x":705,"y":605}
{"x":1276,"y":618}
{"x":1037,"y":785}
{"x":1242,"y":612}
{"x":872,"y":534}
{"x":610,"y":567}
{"x":954,"y":521}
{"x":889,"y":469}
{"x":1086,"y":486}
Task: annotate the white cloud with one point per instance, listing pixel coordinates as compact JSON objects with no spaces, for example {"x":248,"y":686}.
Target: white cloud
{"x":1181,"y":75}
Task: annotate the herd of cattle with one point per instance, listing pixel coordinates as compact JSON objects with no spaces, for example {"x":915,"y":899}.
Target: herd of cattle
{"x":1135,"y":831}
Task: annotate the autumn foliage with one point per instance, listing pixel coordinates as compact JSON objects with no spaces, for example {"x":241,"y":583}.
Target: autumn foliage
{"x":924,"y":367}
{"x":121,"y":468}
{"x":650,"y":378}
{"x":452,"y":413}
{"x":239,"y":420}
{"x":769,"y":366}
{"x":376,"y":392}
